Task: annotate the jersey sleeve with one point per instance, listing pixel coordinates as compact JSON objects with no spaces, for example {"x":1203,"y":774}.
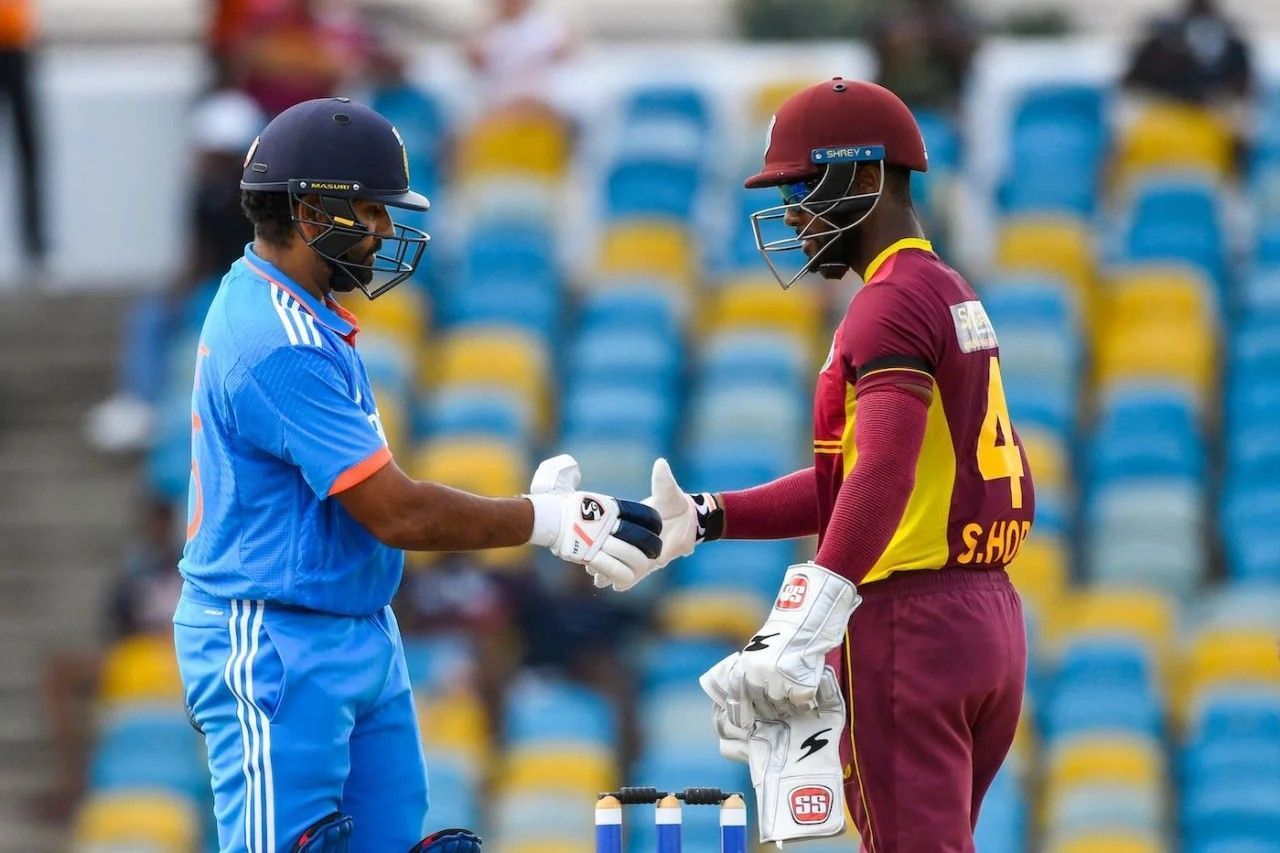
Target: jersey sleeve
{"x":296,"y":404}
{"x":887,"y":339}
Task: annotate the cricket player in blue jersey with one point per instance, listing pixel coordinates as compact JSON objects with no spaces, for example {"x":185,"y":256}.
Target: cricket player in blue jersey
{"x":290,"y":656}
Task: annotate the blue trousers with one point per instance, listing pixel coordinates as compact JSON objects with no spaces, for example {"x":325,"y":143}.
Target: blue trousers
{"x":304,"y":714}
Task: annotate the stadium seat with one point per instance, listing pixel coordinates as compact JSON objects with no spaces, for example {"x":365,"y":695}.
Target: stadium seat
{"x":1002,"y":823}
{"x":747,"y":411}
{"x":148,"y":822}
{"x":141,"y":669}
{"x":624,"y":358}
{"x":1107,"y":842}
{"x":1173,"y":219}
{"x":575,"y":771}
{"x":550,"y":819}
{"x":670,"y":662}
{"x":685,"y":104}
{"x":496,"y":358}
{"x":1242,"y":605}
{"x":651,"y":188}
{"x":1058,"y":138}
{"x":1048,"y":456}
{"x":646,"y":248}
{"x":542,"y":709}
{"x":1173,"y":136}
{"x":727,"y":612}
{"x":520,"y":144}
{"x":728,"y":359}
{"x":770,"y":96}
{"x":606,"y":411}
{"x":1226,"y":656}
{"x":1107,"y":808}
{"x":1143,"y":615}
{"x":614,"y":466}
{"x":634,"y":307}
{"x":761,"y":304}
{"x":1055,"y":246}
{"x":1250,"y":523}
{"x":1104,"y":759}
{"x":1041,"y":574}
{"x":1104,"y":685}
{"x":454,"y":722}
{"x":462,"y":411}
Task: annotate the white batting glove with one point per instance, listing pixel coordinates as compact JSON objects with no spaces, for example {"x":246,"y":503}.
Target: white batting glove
{"x":783,"y":663}
{"x":615,"y":540}
{"x":687,"y":520}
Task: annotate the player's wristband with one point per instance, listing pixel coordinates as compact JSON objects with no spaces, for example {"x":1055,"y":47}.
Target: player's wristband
{"x":546,"y":519}
{"x":710,"y":517}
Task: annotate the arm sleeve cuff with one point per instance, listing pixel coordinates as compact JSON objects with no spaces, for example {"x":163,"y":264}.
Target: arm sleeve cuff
{"x":361,"y":471}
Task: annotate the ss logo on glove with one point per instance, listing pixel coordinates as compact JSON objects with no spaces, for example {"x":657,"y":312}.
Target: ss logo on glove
{"x":811,"y":804}
{"x":792,"y":594}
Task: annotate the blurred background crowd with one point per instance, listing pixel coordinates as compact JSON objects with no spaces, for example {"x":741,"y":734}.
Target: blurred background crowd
{"x":593,"y":287}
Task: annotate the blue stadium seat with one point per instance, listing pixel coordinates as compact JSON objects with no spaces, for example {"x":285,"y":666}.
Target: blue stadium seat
{"x":1038,"y":330}
{"x":638,"y":306}
{"x":607,"y":411}
{"x":742,"y":252}
{"x":732,"y":358}
{"x":436,"y":660}
{"x":549,"y":709}
{"x":463,"y":411}
{"x":719,"y":464}
{"x":748,"y":411}
{"x":651,"y":187}
{"x":1250,"y":523}
{"x":1178,"y":219}
{"x":1237,"y":809}
{"x":1248,"y":606}
{"x":1103,"y":684}
{"x":1052,"y":408}
{"x":1002,"y":823}
{"x":1146,"y":432}
{"x":624,"y":357}
{"x":454,"y":798}
{"x":530,"y":301}
{"x":424,"y":127}
{"x":682,"y":103}
{"x":1107,"y":808}
{"x":756,"y":565}
{"x":1058,"y":138}
{"x":612,"y":465}
{"x":150,"y":749}
{"x":1259,"y":290}
{"x":673,"y":663}
{"x":676,"y":720}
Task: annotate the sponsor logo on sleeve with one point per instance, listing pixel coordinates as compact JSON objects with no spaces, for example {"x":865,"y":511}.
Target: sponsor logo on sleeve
{"x":810,"y":804}
{"x":973,"y":327}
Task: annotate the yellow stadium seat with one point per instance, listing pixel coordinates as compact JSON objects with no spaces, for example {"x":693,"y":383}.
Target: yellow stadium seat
{"x":1143,"y":614}
{"x":1175,"y":136}
{"x":1151,"y":351}
{"x":1047,"y":457}
{"x":1041,"y":573}
{"x":706,"y":613}
{"x":1233,"y":656}
{"x":1059,"y":246}
{"x":523,"y":144}
{"x":141,"y":669}
{"x":1112,"y":759}
{"x":762,"y":304}
{"x":562,"y":846}
{"x":402,"y":314}
{"x":483,"y":466}
{"x":659,"y":249}
{"x":455,"y":722}
{"x":498,"y":357}
{"x":138,"y":821}
{"x":1106,"y":842}
{"x":572,"y":769}
{"x":1172,"y":294}
{"x":771,"y":95}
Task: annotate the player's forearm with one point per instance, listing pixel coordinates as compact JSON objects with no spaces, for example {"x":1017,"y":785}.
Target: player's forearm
{"x":783,"y":509}
{"x":873,"y":499}
{"x":433,"y":517}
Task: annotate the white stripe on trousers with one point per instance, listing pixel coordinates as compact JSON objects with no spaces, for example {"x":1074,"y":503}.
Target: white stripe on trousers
{"x":255,"y":732}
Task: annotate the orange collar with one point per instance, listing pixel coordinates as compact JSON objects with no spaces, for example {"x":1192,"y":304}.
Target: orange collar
{"x":893,"y":249}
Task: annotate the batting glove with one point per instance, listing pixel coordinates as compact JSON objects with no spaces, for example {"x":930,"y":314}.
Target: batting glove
{"x":616,"y":540}
{"x":687,"y":520}
{"x":782,"y":664}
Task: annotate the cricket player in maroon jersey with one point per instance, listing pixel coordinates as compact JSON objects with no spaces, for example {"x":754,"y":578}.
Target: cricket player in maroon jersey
{"x":920,"y":492}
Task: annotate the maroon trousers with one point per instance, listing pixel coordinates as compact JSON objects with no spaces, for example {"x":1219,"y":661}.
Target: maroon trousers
{"x":933,"y":669}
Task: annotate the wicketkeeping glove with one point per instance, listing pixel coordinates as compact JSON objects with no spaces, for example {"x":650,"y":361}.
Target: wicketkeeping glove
{"x":782,"y":664}
{"x":795,"y":768}
{"x":687,"y":520}
{"x":615,"y":539}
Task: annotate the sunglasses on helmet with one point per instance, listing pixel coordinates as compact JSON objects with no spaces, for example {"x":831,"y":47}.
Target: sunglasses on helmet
{"x":795,"y":193}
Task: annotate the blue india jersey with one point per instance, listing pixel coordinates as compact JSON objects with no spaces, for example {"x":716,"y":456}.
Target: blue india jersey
{"x":282,"y":419}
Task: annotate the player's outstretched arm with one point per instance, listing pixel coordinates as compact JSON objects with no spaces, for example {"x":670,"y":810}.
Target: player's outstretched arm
{"x":614,"y":539}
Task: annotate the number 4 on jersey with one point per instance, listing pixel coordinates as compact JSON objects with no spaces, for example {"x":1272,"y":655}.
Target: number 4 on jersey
{"x":998,"y":455}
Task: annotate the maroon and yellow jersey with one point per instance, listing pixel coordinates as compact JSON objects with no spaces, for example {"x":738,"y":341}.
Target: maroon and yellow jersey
{"x":916,"y":321}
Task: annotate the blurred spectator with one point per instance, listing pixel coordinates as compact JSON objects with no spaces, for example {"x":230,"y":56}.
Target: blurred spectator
{"x":291,"y":51}
{"x":17,"y":38}
{"x":1196,"y":56}
{"x":514,"y":53}
{"x":153,"y":363}
{"x":141,"y":603}
{"x":923,"y":51}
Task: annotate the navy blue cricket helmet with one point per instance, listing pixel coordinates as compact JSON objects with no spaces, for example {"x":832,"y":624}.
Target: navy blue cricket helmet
{"x":338,"y":151}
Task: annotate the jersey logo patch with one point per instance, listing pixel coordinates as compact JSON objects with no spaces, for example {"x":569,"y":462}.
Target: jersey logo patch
{"x":973,"y":327}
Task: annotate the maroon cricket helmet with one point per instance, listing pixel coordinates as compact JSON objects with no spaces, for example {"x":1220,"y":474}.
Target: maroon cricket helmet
{"x":838,"y":113}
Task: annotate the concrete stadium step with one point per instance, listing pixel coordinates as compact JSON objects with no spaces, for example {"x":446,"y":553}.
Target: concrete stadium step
{"x":65,"y":515}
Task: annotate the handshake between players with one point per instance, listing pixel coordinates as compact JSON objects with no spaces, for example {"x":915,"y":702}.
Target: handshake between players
{"x":777,"y":705}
